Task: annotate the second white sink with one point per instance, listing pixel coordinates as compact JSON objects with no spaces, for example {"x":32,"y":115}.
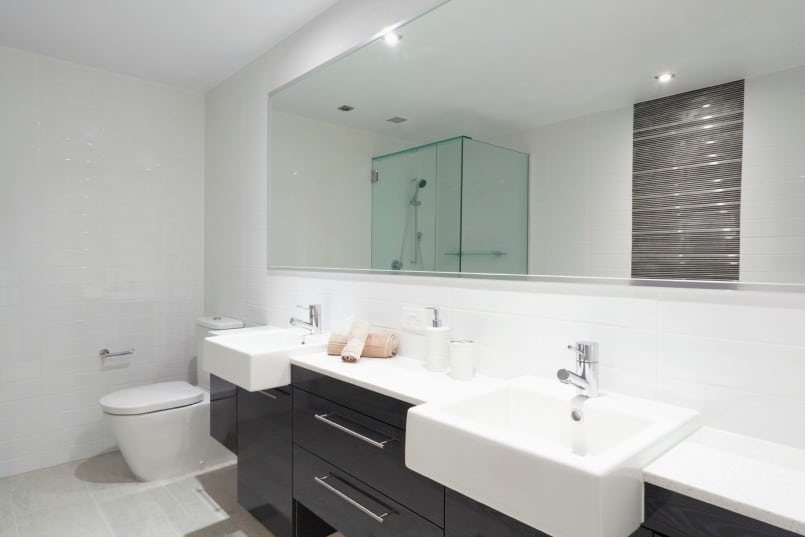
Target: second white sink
{"x":259,"y":360}
{"x":566,"y":465}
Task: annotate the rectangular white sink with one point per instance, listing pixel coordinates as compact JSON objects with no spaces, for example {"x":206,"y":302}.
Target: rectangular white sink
{"x":259,"y":360}
{"x":517,"y":449}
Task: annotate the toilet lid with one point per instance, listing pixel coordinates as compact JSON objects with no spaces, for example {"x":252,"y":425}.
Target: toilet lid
{"x":151,"y":398}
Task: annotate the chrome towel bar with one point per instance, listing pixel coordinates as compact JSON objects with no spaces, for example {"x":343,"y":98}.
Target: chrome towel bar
{"x":104,"y":353}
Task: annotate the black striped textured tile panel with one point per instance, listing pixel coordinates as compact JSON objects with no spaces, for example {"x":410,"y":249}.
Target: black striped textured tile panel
{"x":686,"y":185}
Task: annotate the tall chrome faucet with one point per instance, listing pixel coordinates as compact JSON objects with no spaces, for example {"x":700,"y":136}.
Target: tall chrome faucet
{"x":313,"y":324}
{"x":585,"y":379}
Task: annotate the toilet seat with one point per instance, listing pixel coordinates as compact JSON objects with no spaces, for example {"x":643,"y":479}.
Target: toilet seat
{"x":151,"y":398}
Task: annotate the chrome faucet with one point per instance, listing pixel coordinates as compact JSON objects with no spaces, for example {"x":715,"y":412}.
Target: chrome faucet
{"x":585,"y":379}
{"x":313,"y":324}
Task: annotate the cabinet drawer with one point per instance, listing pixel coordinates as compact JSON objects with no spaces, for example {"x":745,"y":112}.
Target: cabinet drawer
{"x":351,"y":506}
{"x":373,"y":404}
{"x":372,"y":451}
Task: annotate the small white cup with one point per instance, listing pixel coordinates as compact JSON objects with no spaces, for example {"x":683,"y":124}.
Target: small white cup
{"x":462,"y":359}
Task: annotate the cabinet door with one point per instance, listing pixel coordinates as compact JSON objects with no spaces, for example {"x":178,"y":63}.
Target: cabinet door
{"x":464,"y":517}
{"x":675,"y":515}
{"x":223,"y":412}
{"x":264,"y":457}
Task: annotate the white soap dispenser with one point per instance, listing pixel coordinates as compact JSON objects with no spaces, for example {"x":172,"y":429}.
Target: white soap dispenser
{"x":437,"y":338}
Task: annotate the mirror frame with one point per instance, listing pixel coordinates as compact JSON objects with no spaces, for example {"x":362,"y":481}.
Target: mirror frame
{"x":583,"y":280}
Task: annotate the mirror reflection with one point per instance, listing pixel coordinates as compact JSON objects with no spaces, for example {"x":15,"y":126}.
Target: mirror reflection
{"x":458,"y":205}
{"x":536,"y":137}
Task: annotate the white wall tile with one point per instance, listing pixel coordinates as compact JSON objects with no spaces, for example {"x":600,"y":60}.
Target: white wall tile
{"x":98,"y":246}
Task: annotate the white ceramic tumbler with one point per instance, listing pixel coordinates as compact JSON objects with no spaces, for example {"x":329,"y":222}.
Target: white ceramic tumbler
{"x":462,"y":359}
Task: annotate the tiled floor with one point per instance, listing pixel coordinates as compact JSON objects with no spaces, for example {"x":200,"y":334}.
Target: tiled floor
{"x":99,"y":497}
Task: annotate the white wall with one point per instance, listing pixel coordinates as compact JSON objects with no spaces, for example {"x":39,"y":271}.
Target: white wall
{"x":739,"y":357}
{"x":580,"y":195}
{"x":100,"y":246}
{"x":773,"y":179}
{"x":321,"y":172}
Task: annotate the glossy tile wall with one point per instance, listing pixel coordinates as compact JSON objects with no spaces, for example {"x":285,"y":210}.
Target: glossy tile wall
{"x":101,"y":217}
{"x":738,"y":357}
{"x":773,"y":184}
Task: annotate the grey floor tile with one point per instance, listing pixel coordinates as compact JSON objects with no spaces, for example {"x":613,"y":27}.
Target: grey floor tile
{"x":71,"y":519}
{"x":47,"y":489}
{"x":108,"y":476}
{"x":100,"y":497}
{"x":239,"y":524}
{"x":146,"y":513}
{"x":8,"y":528}
{"x":218,"y":488}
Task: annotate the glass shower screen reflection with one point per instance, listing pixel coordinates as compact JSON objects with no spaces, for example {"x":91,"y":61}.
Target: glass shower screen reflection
{"x":453,"y":206}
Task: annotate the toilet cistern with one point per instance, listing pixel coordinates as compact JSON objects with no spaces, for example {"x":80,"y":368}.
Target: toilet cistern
{"x":585,"y":379}
{"x":313,"y":324}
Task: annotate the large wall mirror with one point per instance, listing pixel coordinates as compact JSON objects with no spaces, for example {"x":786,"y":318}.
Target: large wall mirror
{"x":629,"y":139}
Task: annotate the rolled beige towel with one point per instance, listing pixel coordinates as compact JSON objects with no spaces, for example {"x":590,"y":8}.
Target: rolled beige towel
{"x":377,"y":345}
{"x":357,"y":337}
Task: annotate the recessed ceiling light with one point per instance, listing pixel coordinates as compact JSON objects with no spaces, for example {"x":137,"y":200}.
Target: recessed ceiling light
{"x":397,"y":119}
{"x":392,"y":38}
{"x":665,"y":77}
{"x":346,"y":108}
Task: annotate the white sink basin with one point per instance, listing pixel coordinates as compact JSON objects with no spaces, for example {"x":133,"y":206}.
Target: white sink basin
{"x":517,"y":449}
{"x":259,"y":360}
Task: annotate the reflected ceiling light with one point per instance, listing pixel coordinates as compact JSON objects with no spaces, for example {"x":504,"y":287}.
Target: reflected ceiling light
{"x":707,"y":117}
{"x":706,"y":105}
{"x":665,"y":77}
{"x":710,"y":142}
{"x":392,"y":38}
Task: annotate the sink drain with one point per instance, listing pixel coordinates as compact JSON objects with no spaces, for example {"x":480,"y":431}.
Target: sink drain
{"x":576,"y":414}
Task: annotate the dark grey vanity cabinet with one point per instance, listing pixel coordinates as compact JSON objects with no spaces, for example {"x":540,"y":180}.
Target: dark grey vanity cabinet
{"x":223,"y":412}
{"x":669,"y":514}
{"x":264,"y":457}
{"x":347,"y":456}
{"x":349,"y":469}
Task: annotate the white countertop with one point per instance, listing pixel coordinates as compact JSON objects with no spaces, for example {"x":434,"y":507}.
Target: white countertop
{"x":752,"y":477}
{"x":399,"y":377}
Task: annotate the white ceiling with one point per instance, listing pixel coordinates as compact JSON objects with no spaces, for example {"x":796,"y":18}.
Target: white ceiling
{"x":194,"y":44}
{"x":488,"y":68}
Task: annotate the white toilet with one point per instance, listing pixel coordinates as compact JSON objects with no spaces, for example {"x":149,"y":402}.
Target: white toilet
{"x":163,"y":429}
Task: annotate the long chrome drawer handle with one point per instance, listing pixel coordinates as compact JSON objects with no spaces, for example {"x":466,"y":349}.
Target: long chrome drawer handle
{"x":358,"y":506}
{"x":267,"y":394}
{"x":359,"y":436}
